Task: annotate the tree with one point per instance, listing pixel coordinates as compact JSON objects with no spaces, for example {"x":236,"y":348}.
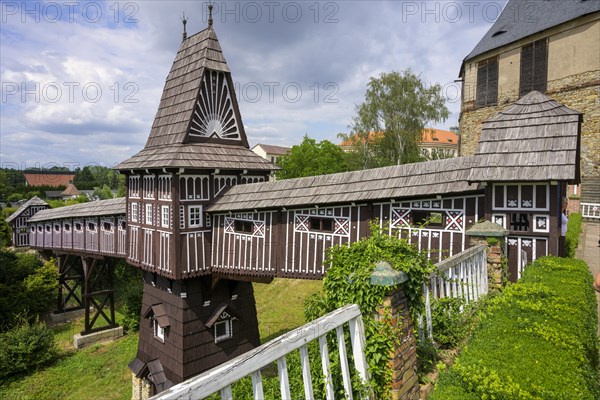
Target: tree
{"x":390,"y":121}
{"x":84,"y":179}
{"x":311,"y":158}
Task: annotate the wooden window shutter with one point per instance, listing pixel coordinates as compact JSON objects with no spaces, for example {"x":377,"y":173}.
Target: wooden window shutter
{"x":534,"y":67}
{"x":481,"y":84}
{"x":540,"y":66}
{"x":492,"y":86}
{"x":487,"y":82}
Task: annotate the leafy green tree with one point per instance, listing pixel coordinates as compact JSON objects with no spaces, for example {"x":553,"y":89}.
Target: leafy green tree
{"x":311,"y":158}
{"x":15,"y":197}
{"x":390,"y":121}
{"x":84,"y":179}
{"x":438,"y":154}
{"x":103,"y":193}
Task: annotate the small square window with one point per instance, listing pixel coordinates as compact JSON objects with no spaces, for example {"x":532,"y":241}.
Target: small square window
{"x":223,"y":330}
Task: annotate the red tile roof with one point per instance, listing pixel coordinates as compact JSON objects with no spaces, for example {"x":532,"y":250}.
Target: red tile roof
{"x":430,"y":135}
{"x":48,"y":178}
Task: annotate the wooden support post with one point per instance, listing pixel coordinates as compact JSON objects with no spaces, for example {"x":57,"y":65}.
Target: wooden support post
{"x":98,"y":293}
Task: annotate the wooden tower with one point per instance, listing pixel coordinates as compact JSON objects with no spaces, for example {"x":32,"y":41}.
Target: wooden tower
{"x":192,"y":320}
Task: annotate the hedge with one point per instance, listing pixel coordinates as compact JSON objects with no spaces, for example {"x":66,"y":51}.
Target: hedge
{"x":537,"y":340}
{"x":572,"y":236}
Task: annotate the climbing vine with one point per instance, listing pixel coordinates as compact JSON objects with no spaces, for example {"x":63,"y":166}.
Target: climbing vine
{"x":348,"y":280}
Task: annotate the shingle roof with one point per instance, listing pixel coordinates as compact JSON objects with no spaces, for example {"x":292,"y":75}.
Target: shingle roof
{"x":419,"y":179}
{"x":196,"y":53}
{"x":197,"y":155}
{"x":92,"y":209}
{"x":536,"y":138}
{"x":169,"y":143}
{"x":520,"y":19}
{"x":34,"y":201}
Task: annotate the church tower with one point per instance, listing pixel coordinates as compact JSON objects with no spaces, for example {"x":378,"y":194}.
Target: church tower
{"x":192,"y":319}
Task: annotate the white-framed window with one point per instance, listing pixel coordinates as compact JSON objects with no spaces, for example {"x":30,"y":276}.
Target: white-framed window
{"x":134,"y":186}
{"x":194,"y":216}
{"x":134,"y":212}
{"x":159,"y":332}
{"x":165,"y":216}
{"x":223,"y":330}
{"x":148,"y":214}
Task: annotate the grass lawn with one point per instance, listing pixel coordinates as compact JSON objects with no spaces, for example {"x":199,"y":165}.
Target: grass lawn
{"x":280,"y":305}
{"x":101,"y":372}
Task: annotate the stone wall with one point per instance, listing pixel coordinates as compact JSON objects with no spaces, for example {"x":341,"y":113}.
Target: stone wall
{"x":403,"y":361}
{"x":140,"y":388}
{"x":580,"y":92}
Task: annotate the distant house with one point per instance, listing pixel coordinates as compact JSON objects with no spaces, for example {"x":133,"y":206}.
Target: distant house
{"x":270,"y":152}
{"x":48,"y":178}
{"x":433,"y":141}
{"x":548,"y":46}
{"x":18,"y":220}
{"x":70,"y":192}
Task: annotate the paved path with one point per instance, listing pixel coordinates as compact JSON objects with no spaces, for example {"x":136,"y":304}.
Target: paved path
{"x":589,"y":251}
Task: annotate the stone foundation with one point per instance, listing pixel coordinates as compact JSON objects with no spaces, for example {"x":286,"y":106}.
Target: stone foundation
{"x":140,"y":388}
{"x":66,"y":316}
{"x":106,"y":335}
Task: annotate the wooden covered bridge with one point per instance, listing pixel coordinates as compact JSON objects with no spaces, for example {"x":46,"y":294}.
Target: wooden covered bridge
{"x":203,"y":222}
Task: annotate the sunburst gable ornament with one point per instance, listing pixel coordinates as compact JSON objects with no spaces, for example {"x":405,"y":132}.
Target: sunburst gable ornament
{"x":214,"y":116}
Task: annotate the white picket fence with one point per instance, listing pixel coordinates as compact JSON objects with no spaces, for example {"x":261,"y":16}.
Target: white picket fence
{"x":590,"y":210}
{"x":220,"y":379}
{"x":463,"y":275}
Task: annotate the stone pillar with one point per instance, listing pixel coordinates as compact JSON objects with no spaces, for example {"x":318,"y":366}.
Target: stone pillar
{"x":140,"y":388}
{"x":403,"y":360}
{"x":492,"y":236}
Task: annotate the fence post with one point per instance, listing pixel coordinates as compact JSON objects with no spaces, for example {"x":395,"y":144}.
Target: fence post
{"x":480,"y":233}
{"x":403,"y":360}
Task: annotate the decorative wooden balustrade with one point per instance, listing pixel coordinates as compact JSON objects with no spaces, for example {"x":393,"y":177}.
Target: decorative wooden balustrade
{"x":221,"y":378}
{"x":590,"y":210}
{"x":463,"y":275}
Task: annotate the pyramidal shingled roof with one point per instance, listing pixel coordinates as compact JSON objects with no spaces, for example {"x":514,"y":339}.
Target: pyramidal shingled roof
{"x":198,"y":124}
{"x":535,"y":138}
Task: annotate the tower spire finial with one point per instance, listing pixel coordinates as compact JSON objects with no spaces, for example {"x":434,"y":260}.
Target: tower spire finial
{"x":184,"y":21}
{"x":210,"y":18}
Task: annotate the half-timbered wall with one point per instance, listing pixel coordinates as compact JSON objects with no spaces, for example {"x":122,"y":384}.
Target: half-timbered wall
{"x":20,"y":230}
{"x":531,"y":214}
{"x":434,"y":225}
{"x":243,"y":243}
{"x":89,"y":235}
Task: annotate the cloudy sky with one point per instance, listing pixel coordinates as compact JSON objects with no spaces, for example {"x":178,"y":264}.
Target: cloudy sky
{"x":81,"y":80}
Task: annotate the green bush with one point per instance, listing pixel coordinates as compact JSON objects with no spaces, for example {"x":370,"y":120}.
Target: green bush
{"x":348,"y":280}
{"x":573,"y":232}
{"x":24,"y":347}
{"x":129,"y":288}
{"x":536,"y":340}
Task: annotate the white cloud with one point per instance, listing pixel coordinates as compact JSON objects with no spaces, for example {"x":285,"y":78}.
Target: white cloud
{"x":128,"y":62}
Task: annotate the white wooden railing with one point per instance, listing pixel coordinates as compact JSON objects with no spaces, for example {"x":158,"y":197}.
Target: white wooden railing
{"x":220,"y":379}
{"x":590,"y":210}
{"x":463,"y":275}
